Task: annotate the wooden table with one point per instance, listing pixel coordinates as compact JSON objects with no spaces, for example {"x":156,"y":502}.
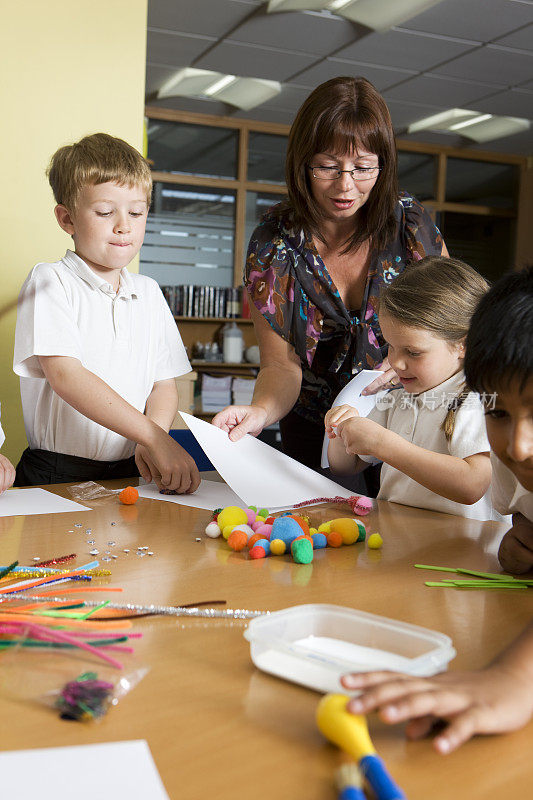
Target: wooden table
{"x":217,"y":727}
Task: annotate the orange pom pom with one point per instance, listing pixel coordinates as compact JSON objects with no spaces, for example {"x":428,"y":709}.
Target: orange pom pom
{"x":304,"y":525}
{"x":334,"y":539}
{"x":253,"y":539}
{"x":129,"y":496}
{"x":237,"y":540}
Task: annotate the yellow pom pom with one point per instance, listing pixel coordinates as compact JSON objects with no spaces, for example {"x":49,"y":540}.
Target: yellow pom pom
{"x":324,"y":528}
{"x":227,"y":531}
{"x":231,"y":515}
{"x":313,"y":530}
{"x":277,"y":547}
{"x":375,"y":541}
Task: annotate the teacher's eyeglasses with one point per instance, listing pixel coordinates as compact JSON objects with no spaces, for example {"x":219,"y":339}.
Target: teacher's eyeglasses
{"x":333,"y":173}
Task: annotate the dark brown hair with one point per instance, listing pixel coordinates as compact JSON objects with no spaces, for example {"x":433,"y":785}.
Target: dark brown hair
{"x":339,"y":116}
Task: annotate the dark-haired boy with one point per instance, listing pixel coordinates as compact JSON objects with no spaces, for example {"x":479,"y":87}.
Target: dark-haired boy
{"x":499,"y":698}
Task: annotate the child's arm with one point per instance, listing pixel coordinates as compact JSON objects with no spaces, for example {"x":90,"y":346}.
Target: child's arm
{"x":463,"y":480}
{"x":516,"y":548}
{"x":93,"y":398}
{"x":7,"y":474}
{"x":161,"y":408}
{"x":496,"y":699}
{"x":340,"y":462}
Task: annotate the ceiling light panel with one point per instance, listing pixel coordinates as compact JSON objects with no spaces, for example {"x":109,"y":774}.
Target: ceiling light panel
{"x":379,"y":15}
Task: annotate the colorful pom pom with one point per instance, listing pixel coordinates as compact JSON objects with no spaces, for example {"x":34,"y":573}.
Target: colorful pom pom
{"x":302,"y":551}
{"x":375,"y":542}
{"x":334,"y":539}
{"x":238,"y":541}
{"x":129,"y":496}
{"x":319,"y":541}
{"x":257,"y":552}
{"x":231,"y":515}
{"x":212,"y":530}
{"x":277,"y":547}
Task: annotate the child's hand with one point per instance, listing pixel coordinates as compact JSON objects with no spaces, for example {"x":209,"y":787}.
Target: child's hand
{"x":493,"y":700}
{"x":335,"y":416}
{"x":361,"y":436}
{"x":168,"y":465}
{"x":7,"y":473}
{"x":516,"y":548}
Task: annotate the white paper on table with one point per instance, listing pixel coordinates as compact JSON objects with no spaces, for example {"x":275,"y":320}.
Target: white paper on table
{"x":258,"y":473}
{"x":351,"y":395}
{"x":210,"y":495}
{"x":18,"y":502}
{"x":121,"y":770}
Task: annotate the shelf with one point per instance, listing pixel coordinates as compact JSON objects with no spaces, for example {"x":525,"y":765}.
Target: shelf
{"x":220,"y":320}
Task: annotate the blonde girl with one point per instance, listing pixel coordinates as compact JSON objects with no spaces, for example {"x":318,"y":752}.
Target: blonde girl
{"x":430,"y":435}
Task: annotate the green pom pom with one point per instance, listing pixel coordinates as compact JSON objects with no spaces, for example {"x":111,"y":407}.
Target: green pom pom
{"x":263,"y":512}
{"x":302,"y":551}
{"x":253,"y":508}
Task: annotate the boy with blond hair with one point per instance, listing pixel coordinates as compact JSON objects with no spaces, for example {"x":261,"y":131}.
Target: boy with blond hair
{"x":96,"y":346}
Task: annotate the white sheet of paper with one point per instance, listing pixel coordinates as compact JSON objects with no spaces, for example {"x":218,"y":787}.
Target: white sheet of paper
{"x":210,"y":494}
{"x":258,"y":473}
{"x":351,"y":396}
{"x":17,"y":502}
{"x":121,"y":770}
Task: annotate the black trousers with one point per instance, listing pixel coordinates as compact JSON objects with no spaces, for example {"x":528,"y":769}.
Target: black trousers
{"x":40,"y":467}
{"x":302,"y":440}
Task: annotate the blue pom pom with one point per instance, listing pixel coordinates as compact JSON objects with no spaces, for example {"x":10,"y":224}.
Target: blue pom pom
{"x":319,"y":540}
{"x":265,"y":544}
{"x":287,"y":529}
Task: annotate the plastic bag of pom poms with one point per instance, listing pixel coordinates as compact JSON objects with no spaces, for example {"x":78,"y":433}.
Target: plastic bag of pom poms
{"x":76,"y":685}
{"x":90,"y":490}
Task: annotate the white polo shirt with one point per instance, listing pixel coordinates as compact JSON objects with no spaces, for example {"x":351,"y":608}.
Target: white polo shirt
{"x":128,"y":338}
{"x":508,"y":494}
{"x":418,"y":419}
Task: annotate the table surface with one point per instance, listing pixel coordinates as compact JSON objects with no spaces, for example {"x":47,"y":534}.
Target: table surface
{"x":215,"y":724}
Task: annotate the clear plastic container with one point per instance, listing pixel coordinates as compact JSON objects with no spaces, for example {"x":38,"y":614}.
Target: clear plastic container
{"x":315,"y":644}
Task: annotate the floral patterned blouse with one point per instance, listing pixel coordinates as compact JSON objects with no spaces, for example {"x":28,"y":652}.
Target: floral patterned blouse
{"x":289,"y":284}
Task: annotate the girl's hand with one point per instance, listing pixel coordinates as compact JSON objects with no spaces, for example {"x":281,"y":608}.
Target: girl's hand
{"x":7,"y":474}
{"x":493,"y":700}
{"x":361,"y":436}
{"x":388,"y":380}
{"x":335,"y":416}
{"x":516,"y":548}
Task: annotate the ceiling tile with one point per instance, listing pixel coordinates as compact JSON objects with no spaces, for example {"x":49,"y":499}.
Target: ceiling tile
{"x":405,"y":49}
{"x":492,"y":64}
{"x":381,"y":77}
{"x":448,"y":93}
{"x":174,"y":49}
{"x":156,"y":76}
{"x":402,"y":114}
{"x":252,"y":61}
{"x":482,"y":20}
{"x":199,"y":16}
{"x":521,"y":39}
{"x":301,"y":32}
{"x":511,"y":103}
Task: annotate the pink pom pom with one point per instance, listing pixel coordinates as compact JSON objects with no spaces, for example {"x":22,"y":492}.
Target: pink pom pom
{"x":251,"y":516}
{"x":264,"y":530}
{"x":363,"y":505}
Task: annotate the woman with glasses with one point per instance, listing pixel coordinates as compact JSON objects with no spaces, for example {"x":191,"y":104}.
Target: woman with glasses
{"x":317,"y":261}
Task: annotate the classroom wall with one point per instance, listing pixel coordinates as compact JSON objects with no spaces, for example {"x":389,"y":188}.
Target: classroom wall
{"x":68,"y":69}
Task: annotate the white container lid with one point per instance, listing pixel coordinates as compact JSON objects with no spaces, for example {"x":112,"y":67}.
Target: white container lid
{"x":315,"y":644}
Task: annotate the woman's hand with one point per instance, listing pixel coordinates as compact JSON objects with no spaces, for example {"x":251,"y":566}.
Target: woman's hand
{"x":237,"y":421}
{"x":492,"y":700}
{"x":335,"y":416}
{"x":388,"y":380}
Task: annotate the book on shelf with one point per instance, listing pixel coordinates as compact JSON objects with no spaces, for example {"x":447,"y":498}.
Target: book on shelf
{"x":219,"y":302}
